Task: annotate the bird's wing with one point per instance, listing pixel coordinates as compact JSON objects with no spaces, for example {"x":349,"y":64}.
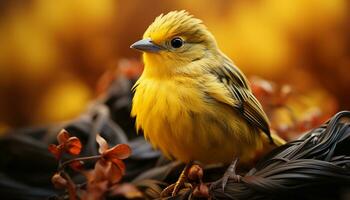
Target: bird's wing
{"x":240,"y":96}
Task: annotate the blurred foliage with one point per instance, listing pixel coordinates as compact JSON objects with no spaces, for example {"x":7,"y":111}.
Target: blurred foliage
{"x":52,"y":53}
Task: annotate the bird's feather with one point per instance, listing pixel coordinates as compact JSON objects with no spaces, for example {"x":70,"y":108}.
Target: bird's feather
{"x":245,"y":101}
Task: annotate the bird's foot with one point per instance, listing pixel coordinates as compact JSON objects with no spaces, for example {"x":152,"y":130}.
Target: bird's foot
{"x":169,"y":191}
{"x":180,"y":183}
{"x":231,"y":173}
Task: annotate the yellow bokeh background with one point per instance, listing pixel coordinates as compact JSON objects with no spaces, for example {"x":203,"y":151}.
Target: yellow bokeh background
{"x":52,"y":53}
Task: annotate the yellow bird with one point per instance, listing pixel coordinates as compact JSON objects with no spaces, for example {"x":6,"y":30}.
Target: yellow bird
{"x":191,"y":101}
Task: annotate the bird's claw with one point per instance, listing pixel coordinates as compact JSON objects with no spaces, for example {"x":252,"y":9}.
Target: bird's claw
{"x":180,"y":183}
{"x":231,"y":174}
{"x":169,"y":191}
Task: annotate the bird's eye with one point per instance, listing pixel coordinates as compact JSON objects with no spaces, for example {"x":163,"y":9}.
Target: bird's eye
{"x":176,"y":42}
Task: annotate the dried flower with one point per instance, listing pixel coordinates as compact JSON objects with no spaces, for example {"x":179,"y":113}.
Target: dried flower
{"x":66,"y":143}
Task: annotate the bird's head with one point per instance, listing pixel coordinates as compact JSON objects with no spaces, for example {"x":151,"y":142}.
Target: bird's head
{"x":173,"y":41}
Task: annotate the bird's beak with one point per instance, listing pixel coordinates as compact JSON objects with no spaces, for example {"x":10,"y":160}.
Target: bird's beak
{"x":146,"y":45}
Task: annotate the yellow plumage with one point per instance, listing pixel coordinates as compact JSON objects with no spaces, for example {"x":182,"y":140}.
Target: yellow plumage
{"x":191,"y":102}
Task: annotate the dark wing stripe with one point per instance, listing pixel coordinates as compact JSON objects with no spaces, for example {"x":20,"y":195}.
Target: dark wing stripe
{"x":235,"y":74}
{"x":254,"y":116}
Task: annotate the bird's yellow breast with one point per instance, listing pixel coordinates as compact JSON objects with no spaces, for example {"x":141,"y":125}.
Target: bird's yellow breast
{"x":178,"y":117}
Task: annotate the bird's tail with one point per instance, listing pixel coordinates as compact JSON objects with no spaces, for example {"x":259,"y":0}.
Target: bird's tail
{"x":277,"y":140}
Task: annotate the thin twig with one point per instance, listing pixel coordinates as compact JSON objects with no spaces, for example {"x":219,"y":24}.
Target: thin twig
{"x":71,"y":186}
{"x":64,"y":164}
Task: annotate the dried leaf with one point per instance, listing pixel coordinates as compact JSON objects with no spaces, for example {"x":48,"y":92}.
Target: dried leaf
{"x":77,"y":165}
{"x":62,"y":136}
{"x":101,"y":168}
{"x":115,"y":174}
{"x":103,"y":145}
{"x":120,"y":164}
{"x":55,"y":151}
{"x":120,"y":151}
{"x":73,"y":146}
{"x":95,"y":191}
{"x":89,"y":175}
{"x":106,"y":170}
{"x":58,"y":181}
